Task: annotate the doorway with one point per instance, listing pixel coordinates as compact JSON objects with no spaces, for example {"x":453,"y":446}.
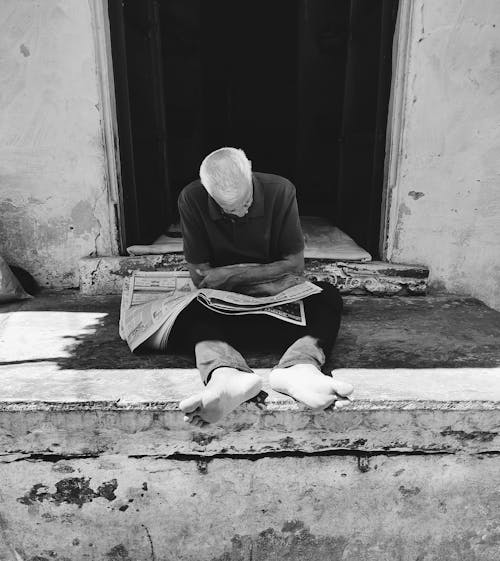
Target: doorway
{"x":301,"y":85}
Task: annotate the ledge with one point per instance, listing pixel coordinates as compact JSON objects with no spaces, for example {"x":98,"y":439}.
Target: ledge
{"x":75,"y":413}
{"x":104,"y":275}
{"x":426,"y":372}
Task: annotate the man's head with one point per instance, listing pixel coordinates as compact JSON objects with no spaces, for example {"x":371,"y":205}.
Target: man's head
{"x":227,"y":176}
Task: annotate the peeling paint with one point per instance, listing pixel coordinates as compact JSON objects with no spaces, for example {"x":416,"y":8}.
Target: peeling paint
{"x":482,"y":436}
{"x":415,"y":195}
{"x":287,"y":442}
{"x":364,"y":464}
{"x":202,"y":465}
{"x":118,"y":553}
{"x":294,"y":543}
{"x":63,"y":468}
{"x":293,"y":526}
{"x":408,"y":491}
{"x":203,"y":439}
{"x":73,"y":490}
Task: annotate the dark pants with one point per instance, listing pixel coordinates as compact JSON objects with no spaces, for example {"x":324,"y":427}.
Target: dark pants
{"x":214,"y":337}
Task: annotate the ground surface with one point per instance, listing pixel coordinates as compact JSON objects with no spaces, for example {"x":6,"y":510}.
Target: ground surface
{"x":393,"y":332}
{"x":95,"y":458}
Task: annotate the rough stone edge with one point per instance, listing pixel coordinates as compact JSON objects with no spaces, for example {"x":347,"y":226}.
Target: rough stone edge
{"x":273,"y":406}
{"x":104,"y":275}
{"x":58,"y":434}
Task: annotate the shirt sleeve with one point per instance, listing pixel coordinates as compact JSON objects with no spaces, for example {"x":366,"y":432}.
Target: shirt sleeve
{"x":194,"y":235}
{"x":291,"y":239}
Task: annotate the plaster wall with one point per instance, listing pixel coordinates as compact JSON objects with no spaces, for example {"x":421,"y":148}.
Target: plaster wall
{"x":54,"y":203}
{"x":444,"y":209}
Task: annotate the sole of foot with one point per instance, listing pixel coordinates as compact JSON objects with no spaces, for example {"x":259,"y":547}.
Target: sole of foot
{"x":228,"y":388}
{"x":307,"y":384}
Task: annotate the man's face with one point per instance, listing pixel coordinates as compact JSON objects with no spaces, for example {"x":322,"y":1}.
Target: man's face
{"x":238,"y":204}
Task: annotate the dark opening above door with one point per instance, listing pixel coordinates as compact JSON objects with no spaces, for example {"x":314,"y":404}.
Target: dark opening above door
{"x":302,"y":86}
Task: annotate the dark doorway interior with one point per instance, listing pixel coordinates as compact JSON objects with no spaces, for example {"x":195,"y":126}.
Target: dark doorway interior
{"x":302,"y":86}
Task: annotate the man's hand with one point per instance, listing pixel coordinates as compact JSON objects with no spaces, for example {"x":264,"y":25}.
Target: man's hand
{"x":245,"y":277}
{"x":218,"y":278}
{"x":271,"y":287}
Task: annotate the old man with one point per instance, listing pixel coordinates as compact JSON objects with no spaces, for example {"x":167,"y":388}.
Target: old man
{"x":242,"y":233}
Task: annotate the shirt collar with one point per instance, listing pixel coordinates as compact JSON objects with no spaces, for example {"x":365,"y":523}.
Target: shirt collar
{"x":256,"y":208}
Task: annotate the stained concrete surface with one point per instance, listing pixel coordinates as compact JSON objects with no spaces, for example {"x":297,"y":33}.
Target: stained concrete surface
{"x":337,"y":508}
{"x":96,"y":462}
{"x":425,"y":370}
{"x":81,"y":332}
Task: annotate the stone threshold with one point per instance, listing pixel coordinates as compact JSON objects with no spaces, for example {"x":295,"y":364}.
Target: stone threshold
{"x":104,"y":275}
{"x":90,"y":413}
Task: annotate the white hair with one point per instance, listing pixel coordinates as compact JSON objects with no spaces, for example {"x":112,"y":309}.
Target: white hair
{"x":223,"y":170}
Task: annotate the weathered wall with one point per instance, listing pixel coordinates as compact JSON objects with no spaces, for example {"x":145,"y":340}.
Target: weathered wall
{"x":117,"y":508}
{"x":446,"y":204}
{"x":53,"y":195}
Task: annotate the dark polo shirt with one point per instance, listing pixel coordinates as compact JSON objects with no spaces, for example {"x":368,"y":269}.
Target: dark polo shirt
{"x":268,"y":232}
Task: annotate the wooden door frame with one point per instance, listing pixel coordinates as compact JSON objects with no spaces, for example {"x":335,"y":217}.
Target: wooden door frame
{"x":396,"y":120}
{"x":394,"y":137}
{"x":110,"y":138}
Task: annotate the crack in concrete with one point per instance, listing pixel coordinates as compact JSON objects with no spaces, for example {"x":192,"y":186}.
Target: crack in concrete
{"x":103,"y":192}
{"x":153,"y":557}
{"x":362,"y":456}
{"x":206,"y":458}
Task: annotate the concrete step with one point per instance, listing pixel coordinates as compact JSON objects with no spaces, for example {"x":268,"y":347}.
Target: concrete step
{"x":91,"y":413}
{"x":104,"y":275}
{"x":96,"y":461}
{"x":418,"y":362}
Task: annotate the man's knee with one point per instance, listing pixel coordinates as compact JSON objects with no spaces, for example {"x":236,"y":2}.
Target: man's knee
{"x":330,"y":297}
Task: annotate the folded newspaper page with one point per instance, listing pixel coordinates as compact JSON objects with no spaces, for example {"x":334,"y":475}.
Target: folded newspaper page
{"x":151,"y":302}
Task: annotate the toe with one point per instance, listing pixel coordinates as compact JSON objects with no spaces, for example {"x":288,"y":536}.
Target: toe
{"x":190,"y":404}
{"x":321,"y":404}
{"x":341,"y":388}
{"x":341,"y":403}
{"x":195,"y":420}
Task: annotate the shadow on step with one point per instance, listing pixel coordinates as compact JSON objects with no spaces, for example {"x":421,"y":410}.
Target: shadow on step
{"x":81,"y":332}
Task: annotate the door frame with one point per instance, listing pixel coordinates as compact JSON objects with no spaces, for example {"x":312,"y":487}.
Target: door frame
{"x":396,"y":121}
{"x":109,"y":120}
{"x":394,"y":137}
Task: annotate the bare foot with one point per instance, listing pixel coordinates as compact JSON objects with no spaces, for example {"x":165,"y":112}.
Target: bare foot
{"x":307,"y":384}
{"x":227,"y":389}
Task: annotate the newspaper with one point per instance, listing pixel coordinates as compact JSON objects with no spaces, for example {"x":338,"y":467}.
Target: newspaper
{"x":151,"y":302}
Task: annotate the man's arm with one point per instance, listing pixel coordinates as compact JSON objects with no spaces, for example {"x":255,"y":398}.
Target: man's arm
{"x":244,"y":276}
{"x":247,"y":278}
{"x":196,"y":272}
